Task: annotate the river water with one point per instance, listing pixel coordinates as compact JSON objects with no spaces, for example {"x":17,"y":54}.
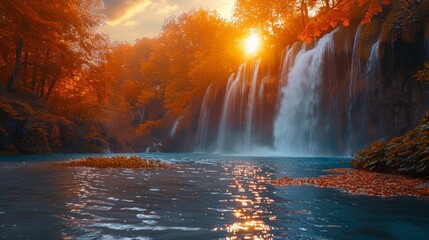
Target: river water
{"x":206,"y":197}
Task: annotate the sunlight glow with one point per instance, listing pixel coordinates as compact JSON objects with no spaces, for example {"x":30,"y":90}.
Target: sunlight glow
{"x":252,"y":44}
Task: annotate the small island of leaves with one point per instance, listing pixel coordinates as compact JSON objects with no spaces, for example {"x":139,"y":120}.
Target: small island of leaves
{"x":362,"y":182}
{"x":113,"y":162}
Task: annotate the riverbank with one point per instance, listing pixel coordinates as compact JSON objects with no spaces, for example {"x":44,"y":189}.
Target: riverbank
{"x":28,"y":127}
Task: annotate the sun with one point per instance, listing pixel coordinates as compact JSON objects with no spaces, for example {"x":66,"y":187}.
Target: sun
{"x":252,"y":44}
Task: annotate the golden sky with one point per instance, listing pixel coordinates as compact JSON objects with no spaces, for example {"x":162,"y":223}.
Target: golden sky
{"x":132,"y":19}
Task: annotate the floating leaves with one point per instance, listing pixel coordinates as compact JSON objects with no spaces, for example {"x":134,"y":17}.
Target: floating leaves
{"x":362,"y":182}
{"x":113,"y":162}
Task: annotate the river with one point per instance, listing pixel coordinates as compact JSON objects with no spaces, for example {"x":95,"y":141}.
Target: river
{"x":207,"y":196}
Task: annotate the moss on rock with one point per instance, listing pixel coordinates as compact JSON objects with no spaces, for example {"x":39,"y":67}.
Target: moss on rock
{"x":406,"y":155}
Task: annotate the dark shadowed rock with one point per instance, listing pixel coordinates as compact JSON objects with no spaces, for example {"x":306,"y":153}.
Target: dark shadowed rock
{"x":407,"y":154}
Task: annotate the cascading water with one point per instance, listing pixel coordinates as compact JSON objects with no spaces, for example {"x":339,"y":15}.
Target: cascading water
{"x":203,"y":121}
{"x":354,"y":77}
{"x":262,"y":90}
{"x":295,"y":128}
{"x":288,"y":61}
{"x":373,"y":84}
{"x":372,"y":69}
{"x":174,"y":127}
{"x":238,"y":119}
{"x":333,"y":99}
{"x":227,"y":117}
{"x":251,"y":102}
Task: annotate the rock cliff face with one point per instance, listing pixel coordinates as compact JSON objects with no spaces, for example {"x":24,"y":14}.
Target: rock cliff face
{"x":30,"y":129}
{"x":407,"y":154}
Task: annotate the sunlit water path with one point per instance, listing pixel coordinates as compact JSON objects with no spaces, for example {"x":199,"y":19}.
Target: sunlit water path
{"x":206,"y":197}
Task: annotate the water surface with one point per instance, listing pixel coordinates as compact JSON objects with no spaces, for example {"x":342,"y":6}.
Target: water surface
{"x":207,"y":197}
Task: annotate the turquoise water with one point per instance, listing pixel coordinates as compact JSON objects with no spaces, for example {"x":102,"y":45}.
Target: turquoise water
{"x":207,"y":197}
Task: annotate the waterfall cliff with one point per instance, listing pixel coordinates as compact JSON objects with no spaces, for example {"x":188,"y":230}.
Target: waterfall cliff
{"x":331,"y":97}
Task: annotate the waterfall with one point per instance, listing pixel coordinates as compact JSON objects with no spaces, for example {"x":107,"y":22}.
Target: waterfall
{"x":372,"y":67}
{"x":203,"y":121}
{"x":288,"y":60}
{"x":373,"y":85}
{"x":251,"y":102}
{"x":295,"y":127}
{"x":238,"y":118}
{"x":323,"y":99}
{"x":228,"y":105}
{"x":174,"y":127}
{"x":262,"y":90}
{"x":354,"y":77}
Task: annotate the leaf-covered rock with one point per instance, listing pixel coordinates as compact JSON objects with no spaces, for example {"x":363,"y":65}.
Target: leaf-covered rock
{"x":406,"y":155}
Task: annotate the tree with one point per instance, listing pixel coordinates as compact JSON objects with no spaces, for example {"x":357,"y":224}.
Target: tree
{"x":62,"y":30}
{"x":270,"y":17}
{"x":192,"y":50}
{"x":342,"y":12}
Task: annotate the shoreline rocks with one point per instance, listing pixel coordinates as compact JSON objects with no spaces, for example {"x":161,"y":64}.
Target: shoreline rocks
{"x":405,"y":155}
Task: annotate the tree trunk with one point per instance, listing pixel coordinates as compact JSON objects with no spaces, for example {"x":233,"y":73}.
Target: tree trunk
{"x":54,"y":81}
{"x":44,"y":75}
{"x":51,"y":86}
{"x":15,"y":74}
{"x":35,"y":67}
{"x":24,"y":74}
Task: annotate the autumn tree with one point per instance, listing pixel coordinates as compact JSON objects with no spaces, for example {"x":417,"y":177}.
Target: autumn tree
{"x":56,"y":36}
{"x":342,"y":12}
{"x":135,"y":94}
{"x":157,"y":80}
{"x":280,"y":21}
{"x":194,"y":49}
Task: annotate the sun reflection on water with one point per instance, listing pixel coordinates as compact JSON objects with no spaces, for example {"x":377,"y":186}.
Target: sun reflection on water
{"x":251,"y":216}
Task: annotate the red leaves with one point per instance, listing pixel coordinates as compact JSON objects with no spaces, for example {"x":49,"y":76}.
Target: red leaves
{"x":113,"y":162}
{"x":363,"y":182}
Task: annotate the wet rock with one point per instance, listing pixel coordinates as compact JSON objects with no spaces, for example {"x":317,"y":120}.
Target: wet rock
{"x":407,"y":154}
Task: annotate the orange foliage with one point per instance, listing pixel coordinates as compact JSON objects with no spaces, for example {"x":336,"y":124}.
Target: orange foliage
{"x":113,"y":162}
{"x":363,"y":182}
{"x":57,"y":38}
{"x":342,"y":13}
{"x":199,"y":47}
{"x":147,"y":127}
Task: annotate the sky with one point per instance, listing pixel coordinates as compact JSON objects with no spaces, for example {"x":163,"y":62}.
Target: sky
{"x":132,"y":19}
